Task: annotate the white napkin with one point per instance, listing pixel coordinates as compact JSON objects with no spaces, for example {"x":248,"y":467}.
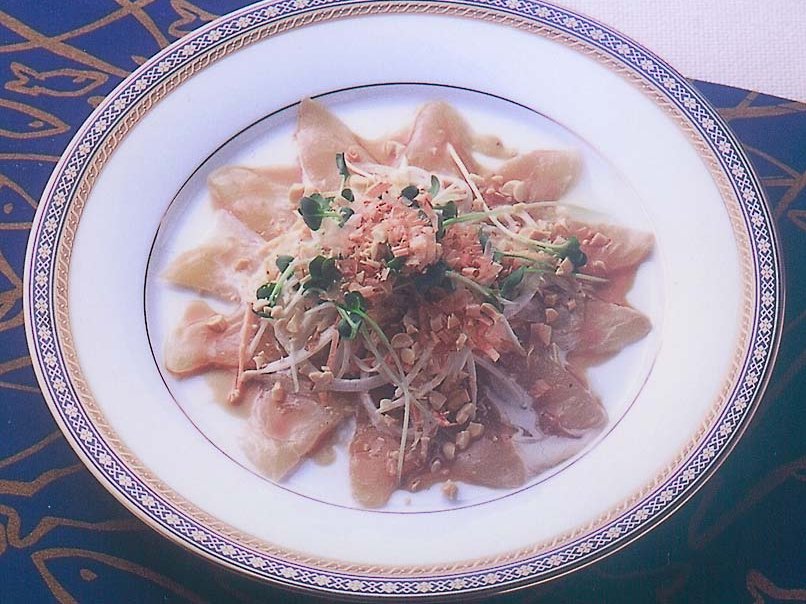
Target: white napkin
{"x":753,"y":44}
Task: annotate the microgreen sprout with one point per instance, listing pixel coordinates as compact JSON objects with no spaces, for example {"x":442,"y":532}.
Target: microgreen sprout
{"x":410,"y":192}
{"x":341,"y":164}
{"x":314,"y":208}
{"x":396,"y":263}
{"x":435,"y":186}
{"x":270,"y":292}
{"x":323,"y":273}
{"x":352,"y":313}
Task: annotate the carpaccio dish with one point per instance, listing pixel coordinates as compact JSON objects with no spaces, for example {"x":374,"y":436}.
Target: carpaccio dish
{"x":445,"y":306}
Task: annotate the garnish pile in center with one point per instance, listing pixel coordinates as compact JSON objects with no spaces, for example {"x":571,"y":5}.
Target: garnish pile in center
{"x":434,"y":299}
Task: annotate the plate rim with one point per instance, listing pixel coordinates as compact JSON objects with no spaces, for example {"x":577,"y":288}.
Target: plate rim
{"x":547,"y":19}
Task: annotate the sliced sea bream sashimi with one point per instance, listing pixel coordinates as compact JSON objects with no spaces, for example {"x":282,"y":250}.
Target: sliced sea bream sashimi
{"x":320,"y":136}
{"x":543,"y":175}
{"x":436,"y":126}
{"x":610,"y":248}
{"x":451,"y":306}
{"x":491,"y":461}
{"x":285,"y":426}
{"x":258,"y":197}
{"x":204,"y":339}
{"x":224,"y":266}
{"x":373,"y":463}
{"x":608,"y":328}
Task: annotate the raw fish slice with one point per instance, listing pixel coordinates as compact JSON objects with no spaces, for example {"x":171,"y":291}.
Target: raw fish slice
{"x":373,"y":469}
{"x":616,"y":248}
{"x":608,"y":328}
{"x":320,"y":137}
{"x":436,"y":125}
{"x":373,"y":474}
{"x":203,"y":340}
{"x":546,"y":175}
{"x":528,"y":451}
{"x":539,"y":455}
{"x":258,"y":197}
{"x":491,"y":461}
{"x":280,"y":433}
{"x":223,"y":266}
{"x":593,"y":327}
{"x":567,"y":407}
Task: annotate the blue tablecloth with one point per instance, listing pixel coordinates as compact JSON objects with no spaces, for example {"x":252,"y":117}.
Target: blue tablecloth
{"x":62,"y":537}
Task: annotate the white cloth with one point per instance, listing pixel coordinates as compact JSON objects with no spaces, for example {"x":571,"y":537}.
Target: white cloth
{"x":753,"y":44}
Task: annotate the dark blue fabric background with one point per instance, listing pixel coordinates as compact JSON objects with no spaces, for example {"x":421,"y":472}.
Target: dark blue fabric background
{"x":742,"y":538}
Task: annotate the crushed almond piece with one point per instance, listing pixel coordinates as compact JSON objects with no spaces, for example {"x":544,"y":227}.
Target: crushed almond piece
{"x":216,"y":323}
{"x":520,"y":191}
{"x":541,"y":332}
{"x":475,"y":429}
{"x":278,"y":392}
{"x":599,"y":240}
{"x":539,"y":388}
{"x":321,"y":379}
{"x":437,"y":399}
{"x":450,"y":490}
{"x":566,"y":267}
{"x":407,"y":356}
{"x":401,"y":340}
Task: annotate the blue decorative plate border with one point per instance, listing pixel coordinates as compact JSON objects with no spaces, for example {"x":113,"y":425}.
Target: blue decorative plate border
{"x":59,"y":376}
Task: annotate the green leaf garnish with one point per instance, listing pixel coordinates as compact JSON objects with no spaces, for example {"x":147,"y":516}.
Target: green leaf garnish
{"x":395,"y":264}
{"x":352,"y":313}
{"x":571,"y":250}
{"x":484,"y":237}
{"x":345,"y":215}
{"x":283,"y":261}
{"x":411,"y":192}
{"x":314,"y":208}
{"x":434,"y":276}
{"x":341,"y":164}
{"x":448,"y":210}
{"x":509,"y":285}
{"x":444,"y":213}
{"x":323,"y":273}
{"x":271,"y":291}
{"x":264,"y":291}
{"x":434,"y":188}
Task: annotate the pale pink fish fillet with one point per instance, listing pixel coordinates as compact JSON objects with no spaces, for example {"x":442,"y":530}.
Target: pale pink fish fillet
{"x":550,"y":451}
{"x":320,"y":137}
{"x":436,"y":125}
{"x":280,"y":434}
{"x":204,"y":339}
{"x":491,"y":461}
{"x":223,"y":265}
{"x":373,"y":474}
{"x":624,"y":247}
{"x":596,"y":327}
{"x":503,"y":459}
{"x":258,"y":197}
{"x":546,"y":174}
{"x":567,"y":408}
{"x":608,"y":328}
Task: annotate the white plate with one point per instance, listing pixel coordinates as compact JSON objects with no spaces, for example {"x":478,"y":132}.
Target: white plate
{"x":129,"y":193}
